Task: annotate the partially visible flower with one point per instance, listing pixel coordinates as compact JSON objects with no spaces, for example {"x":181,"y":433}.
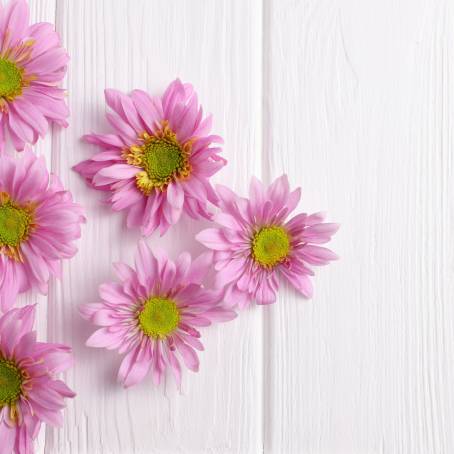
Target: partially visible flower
{"x":32,"y":65}
{"x":30,"y":392}
{"x":255,"y":243}
{"x":38,"y":225}
{"x":158,"y":162}
{"x":153,"y":313}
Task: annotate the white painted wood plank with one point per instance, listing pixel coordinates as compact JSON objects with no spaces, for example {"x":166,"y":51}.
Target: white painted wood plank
{"x":360,"y":114}
{"x":143,"y":44}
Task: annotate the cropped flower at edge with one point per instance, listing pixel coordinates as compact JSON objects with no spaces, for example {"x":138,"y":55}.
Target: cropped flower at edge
{"x":32,"y":65}
{"x":38,"y":225}
{"x":256,"y":244}
{"x":153,"y":314}
{"x":30,"y":392}
{"x":158,"y":161}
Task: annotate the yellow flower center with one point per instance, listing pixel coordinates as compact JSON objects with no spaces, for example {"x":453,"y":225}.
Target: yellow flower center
{"x":159,"y":317}
{"x":16,"y":223}
{"x":10,"y":79}
{"x":270,"y":246}
{"x":10,"y":382}
{"x":162,"y":158}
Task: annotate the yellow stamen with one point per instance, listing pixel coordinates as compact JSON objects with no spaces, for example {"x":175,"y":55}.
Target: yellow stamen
{"x":13,"y":78}
{"x":162,"y":158}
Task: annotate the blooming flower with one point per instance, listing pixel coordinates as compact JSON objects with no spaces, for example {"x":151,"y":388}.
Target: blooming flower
{"x":30,"y":393}
{"x":152,"y":314}
{"x":38,"y":223}
{"x":158,"y":162}
{"x":255,"y":244}
{"x":32,"y":64}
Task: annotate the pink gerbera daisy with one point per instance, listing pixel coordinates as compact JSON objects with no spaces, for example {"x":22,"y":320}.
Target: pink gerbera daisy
{"x":159,"y":160}
{"x":32,"y":65}
{"x":38,"y":224}
{"x":256,"y":243}
{"x":30,"y":393}
{"x":152,"y":314}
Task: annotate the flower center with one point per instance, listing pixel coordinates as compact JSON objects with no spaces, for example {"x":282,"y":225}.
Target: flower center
{"x":162,"y":158}
{"x":159,"y":317}
{"x":10,"y":383}
{"x":14,"y":224}
{"x":270,"y":246}
{"x":10,"y":79}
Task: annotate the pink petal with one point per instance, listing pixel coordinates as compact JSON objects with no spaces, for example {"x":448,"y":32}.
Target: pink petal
{"x":213,"y":239}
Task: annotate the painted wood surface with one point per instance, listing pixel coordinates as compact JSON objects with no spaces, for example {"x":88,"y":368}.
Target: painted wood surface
{"x":354,"y":100}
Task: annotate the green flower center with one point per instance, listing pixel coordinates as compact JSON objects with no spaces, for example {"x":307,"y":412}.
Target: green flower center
{"x":161,"y":160}
{"x":162,"y":157}
{"x":270,"y":246}
{"x":10,"y":79}
{"x":14,"y":224}
{"x":159,"y":317}
{"x":10,"y":383}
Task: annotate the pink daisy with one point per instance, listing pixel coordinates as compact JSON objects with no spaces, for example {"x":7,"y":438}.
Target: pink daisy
{"x":256,"y":243}
{"x":32,"y":65}
{"x":29,"y":390}
{"x":153,"y":313}
{"x":158,"y":162}
{"x":38,"y":225}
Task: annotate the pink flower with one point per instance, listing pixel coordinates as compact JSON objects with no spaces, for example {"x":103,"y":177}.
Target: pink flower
{"x":38,"y":224}
{"x":256,"y":244}
{"x":29,"y":390}
{"x":158,"y":162}
{"x":153,"y":313}
{"x":32,"y":65}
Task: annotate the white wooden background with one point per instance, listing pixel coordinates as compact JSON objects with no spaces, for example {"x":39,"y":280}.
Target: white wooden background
{"x":354,"y":100}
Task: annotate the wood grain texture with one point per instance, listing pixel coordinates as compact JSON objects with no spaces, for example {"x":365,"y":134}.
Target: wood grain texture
{"x":359,"y":113}
{"x":216,"y":46}
{"x":354,"y":100}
